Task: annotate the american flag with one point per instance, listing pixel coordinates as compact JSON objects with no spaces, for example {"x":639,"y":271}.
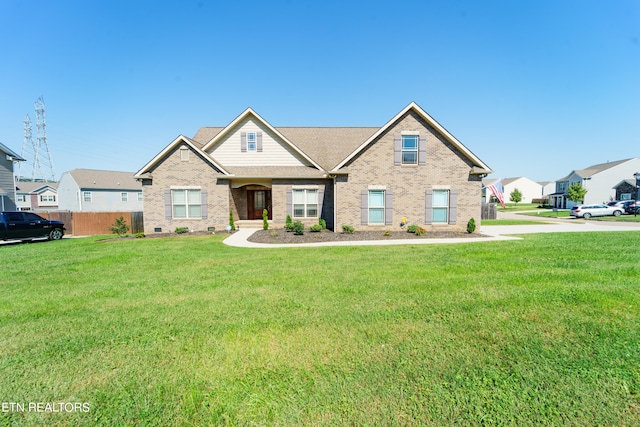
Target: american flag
{"x":498,"y":191}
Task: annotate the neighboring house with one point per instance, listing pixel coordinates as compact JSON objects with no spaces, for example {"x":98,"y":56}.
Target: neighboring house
{"x":529,"y":189}
{"x":36,"y":195}
{"x":89,"y":190}
{"x":7,"y":178}
{"x":627,"y":190}
{"x":599,"y":181}
{"x":548,"y":187}
{"x":369,"y":178}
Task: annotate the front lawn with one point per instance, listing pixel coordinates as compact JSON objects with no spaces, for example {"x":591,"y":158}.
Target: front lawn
{"x":190,"y":332}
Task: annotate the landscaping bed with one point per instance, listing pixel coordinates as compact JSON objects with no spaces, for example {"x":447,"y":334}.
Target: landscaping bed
{"x":282,"y":236}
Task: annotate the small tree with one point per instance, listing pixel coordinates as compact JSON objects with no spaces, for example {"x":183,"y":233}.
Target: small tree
{"x":471,"y":226}
{"x":231,"y":224}
{"x":265,"y":219}
{"x":288,"y":223}
{"x":119,"y":227}
{"x":576,"y":192}
{"x":516,"y":196}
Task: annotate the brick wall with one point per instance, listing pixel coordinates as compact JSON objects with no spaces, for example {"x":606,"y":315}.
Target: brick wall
{"x":174,"y":172}
{"x":445,"y":167}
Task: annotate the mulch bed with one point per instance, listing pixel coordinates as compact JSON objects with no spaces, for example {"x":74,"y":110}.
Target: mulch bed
{"x":282,"y":236}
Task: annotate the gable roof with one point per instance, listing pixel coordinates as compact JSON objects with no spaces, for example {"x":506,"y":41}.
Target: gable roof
{"x":479,"y":166}
{"x":35,"y":186}
{"x":594,"y":169}
{"x":247,"y":113}
{"x":92,"y":179}
{"x":181,"y":139}
{"x":11,"y":153}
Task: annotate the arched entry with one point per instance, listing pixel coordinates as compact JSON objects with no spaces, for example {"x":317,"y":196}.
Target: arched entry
{"x":258,"y":199}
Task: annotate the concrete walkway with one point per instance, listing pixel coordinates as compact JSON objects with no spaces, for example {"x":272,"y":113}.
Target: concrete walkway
{"x":492,"y":233}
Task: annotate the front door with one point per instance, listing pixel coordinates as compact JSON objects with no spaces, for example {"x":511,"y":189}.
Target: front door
{"x":257,"y":201}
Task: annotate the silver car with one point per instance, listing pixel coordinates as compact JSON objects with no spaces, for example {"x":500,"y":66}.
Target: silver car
{"x":587,"y":211}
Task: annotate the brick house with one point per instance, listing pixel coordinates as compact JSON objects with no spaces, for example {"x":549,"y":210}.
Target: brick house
{"x":369,"y":178}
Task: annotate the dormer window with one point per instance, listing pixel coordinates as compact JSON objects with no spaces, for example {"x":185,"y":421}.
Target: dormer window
{"x":251,"y":141}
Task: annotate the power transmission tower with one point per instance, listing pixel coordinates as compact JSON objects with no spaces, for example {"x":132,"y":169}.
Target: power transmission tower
{"x":28,"y":149}
{"x":36,"y":153}
{"x":42,"y":156}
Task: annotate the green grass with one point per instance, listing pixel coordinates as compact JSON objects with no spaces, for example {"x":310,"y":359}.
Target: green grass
{"x":189,"y":332}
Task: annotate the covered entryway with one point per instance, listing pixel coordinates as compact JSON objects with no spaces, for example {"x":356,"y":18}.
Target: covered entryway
{"x":257,"y":201}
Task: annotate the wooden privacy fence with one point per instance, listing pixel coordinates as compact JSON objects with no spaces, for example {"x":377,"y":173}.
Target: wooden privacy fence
{"x":489,"y":211}
{"x":91,"y":223}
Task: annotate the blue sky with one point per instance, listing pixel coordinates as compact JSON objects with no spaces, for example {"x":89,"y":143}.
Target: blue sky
{"x":534,"y":88}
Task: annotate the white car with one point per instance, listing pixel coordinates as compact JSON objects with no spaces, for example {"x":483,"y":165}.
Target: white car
{"x":587,"y":211}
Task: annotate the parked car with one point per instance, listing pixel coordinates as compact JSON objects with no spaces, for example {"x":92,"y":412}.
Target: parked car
{"x":631,"y":207}
{"x":28,"y":226}
{"x":587,"y":211}
{"x":622,"y":204}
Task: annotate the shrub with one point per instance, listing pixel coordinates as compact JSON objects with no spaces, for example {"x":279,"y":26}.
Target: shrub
{"x":348,"y":229}
{"x":322,"y":223}
{"x":387,"y":233}
{"x":231,"y":224}
{"x":471,"y":226}
{"x":140,"y":235}
{"x":273,"y":233}
{"x":265,"y":219}
{"x":420,"y":231}
{"x":412,"y":228}
{"x":181,"y":230}
{"x":288,"y":223}
{"x":315,"y":228}
{"x":119,"y":227}
{"x":298,"y":228}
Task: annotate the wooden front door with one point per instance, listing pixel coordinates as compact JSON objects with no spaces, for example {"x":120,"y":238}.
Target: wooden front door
{"x":257,"y":201}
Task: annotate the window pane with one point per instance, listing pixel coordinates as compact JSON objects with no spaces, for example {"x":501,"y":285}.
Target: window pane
{"x":441,"y":198}
{"x":194,"y":211}
{"x":410,"y":142}
{"x":179,"y":211}
{"x":194,"y":197}
{"x":376,"y":198}
{"x":409,"y":157}
{"x":440,"y":214}
{"x":298,"y":196}
{"x":178,"y":196}
{"x":298,"y":210}
{"x":312,"y":196}
{"x":376,"y":216}
{"x":312,"y":210}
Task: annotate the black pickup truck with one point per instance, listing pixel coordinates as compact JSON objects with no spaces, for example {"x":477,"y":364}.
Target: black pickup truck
{"x":28,"y":226}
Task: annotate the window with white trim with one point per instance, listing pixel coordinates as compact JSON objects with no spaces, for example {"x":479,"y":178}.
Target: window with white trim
{"x":86,"y":196}
{"x":186,"y":203}
{"x":21,"y":198}
{"x":251,"y":141}
{"x":140,"y":196}
{"x":376,"y":206}
{"x":440,"y":205}
{"x":410,"y":149}
{"x":305,"y":203}
{"x":47,"y":198}
{"x":124,"y":197}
